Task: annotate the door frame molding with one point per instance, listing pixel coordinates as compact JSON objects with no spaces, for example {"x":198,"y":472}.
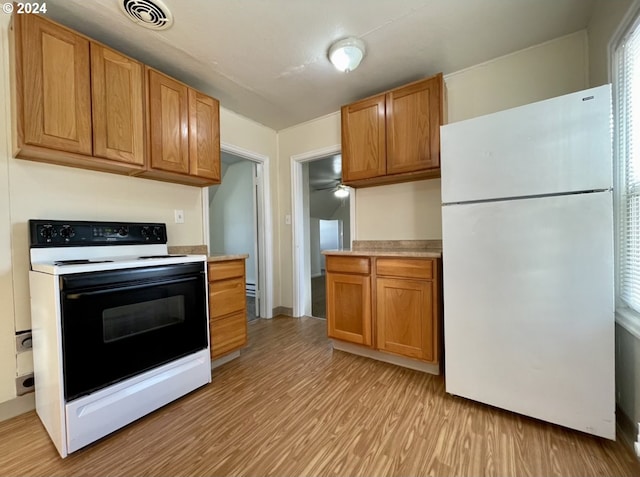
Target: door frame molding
{"x":265,"y":224}
{"x":301,"y":290}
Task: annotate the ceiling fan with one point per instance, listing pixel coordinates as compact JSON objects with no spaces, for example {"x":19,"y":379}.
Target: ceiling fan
{"x":339,"y":189}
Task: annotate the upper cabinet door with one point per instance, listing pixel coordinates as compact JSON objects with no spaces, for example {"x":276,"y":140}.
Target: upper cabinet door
{"x":204,"y":136}
{"x":118,"y":108}
{"x":55,"y":86}
{"x":169,"y":123}
{"x":363,"y":139}
{"x":413,"y":126}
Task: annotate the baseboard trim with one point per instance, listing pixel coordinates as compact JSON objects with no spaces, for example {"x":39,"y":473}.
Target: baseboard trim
{"x":17,"y":406}
{"x":282,"y":310}
{"x":627,"y":430}
{"x":387,"y":358}
{"x":216,"y":363}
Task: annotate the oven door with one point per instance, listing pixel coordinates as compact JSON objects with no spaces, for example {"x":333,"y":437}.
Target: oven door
{"x":116,"y":324}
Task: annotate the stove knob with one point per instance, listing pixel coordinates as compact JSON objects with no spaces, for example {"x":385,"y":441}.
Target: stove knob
{"x":48,"y":232}
{"x":67,"y":232}
{"x":145,"y":232}
{"x":123,"y":231}
{"x":157,"y":233}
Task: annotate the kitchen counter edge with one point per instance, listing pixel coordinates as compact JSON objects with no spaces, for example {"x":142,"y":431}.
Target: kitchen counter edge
{"x":224,"y":258}
{"x":387,"y":253}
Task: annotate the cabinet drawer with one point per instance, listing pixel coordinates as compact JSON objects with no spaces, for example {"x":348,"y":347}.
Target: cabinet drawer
{"x":342,"y":264}
{"x":226,"y":296}
{"x":405,"y":267}
{"x":224,"y":270}
{"x":228,"y":334}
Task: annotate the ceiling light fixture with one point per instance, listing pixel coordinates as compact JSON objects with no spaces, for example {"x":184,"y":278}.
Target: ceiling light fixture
{"x":341,"y":192}
{"x":347,"y":54}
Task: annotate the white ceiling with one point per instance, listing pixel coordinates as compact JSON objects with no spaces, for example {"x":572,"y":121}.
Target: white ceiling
{"x":267,"y":59}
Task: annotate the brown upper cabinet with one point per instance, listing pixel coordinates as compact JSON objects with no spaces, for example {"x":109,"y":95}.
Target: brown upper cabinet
{"x":394,"y":136}
{"x":54,"y":85}
{"x":169,"y":123}
{"x":118,"y":108}
{"x":79,"y":103}
{"x":184,"y":132}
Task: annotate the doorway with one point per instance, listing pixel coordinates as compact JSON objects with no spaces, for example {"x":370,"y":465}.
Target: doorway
{"x":237,"y":220}
{"x":322,"y":220}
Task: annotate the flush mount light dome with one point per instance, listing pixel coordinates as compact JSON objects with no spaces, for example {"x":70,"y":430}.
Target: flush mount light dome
{"x":347,"y":54}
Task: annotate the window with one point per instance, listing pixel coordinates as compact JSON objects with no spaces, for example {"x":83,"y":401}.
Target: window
{"x":626,"y":63}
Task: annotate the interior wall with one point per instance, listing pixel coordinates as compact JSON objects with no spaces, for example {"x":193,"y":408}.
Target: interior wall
{"x":628,"y":376}
{"x":239,"y":131}
{"x":231,"y":214}
{"x":7,"y":323}
{"x":605,"y":19}
{"x":314,"y":135}
{"x":412,"y":210}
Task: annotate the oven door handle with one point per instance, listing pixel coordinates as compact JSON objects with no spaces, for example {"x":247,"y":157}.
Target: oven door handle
{"x":77,"y":296}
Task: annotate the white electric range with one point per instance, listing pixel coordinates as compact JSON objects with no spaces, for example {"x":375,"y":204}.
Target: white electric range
{"x":120,"y":327}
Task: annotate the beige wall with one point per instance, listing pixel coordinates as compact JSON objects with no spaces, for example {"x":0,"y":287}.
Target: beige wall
{"x":7,"y":327}
{"x":628,"y":376}
{"x":33,"y":190}
{"x":412,"y":210}
{"x":321,"y":133}
{"x":605,"y":18}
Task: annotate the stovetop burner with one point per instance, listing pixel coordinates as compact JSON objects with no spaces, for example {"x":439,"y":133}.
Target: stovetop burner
{"x":144,"y":257}
{"x":79,"y":261}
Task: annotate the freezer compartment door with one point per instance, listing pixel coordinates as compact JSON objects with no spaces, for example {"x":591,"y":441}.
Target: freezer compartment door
{"x":529,"y":307}
{"x":554,"y":146}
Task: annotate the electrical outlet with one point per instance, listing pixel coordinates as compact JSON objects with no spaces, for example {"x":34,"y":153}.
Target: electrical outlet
{"x":179,"y":214}
{"x":25,"y":384}
{"x":23,"y":341}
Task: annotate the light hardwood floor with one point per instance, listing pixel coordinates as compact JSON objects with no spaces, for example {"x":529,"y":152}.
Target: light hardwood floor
{"x":291,"y":406}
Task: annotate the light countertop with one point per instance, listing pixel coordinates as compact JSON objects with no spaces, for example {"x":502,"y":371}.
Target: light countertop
{"x":222,"y":257}
{"x":392,"y":248}
{"x":433,"y":253}
{"x":202,"y":250}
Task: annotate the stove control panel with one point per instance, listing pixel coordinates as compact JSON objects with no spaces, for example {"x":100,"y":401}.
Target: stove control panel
{"x":74,"y":233}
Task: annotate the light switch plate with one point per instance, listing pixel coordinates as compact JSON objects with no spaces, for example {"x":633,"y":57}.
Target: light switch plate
{"x":179,"y":215}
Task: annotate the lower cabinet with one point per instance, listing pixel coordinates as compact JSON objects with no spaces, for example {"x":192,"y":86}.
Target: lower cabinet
{"x":349,"y":307}
{"x":387,"y":304}
{"x":227,"y":307}
{"x":404,"y":318}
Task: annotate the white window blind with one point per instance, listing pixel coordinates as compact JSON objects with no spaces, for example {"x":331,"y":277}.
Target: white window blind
{"x":627,"y":127}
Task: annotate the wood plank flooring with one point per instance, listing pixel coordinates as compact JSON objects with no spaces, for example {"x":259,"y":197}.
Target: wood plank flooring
{"x":291,"y":406}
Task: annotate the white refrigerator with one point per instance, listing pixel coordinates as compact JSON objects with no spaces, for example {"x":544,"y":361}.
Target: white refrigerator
{"x":527,"y":228}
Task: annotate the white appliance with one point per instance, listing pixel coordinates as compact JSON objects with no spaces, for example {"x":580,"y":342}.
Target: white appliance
{"x":120,"y":327}
{"x":527,"y":228}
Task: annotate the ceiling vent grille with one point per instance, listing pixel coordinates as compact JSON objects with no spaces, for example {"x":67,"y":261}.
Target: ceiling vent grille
{"x":150,"y":14}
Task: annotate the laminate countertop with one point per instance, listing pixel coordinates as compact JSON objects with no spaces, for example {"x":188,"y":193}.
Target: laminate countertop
{"x":224,"y":258}
{"x":433,"y":253}
{"x":392,"y":248}
{"x":202,"y":250}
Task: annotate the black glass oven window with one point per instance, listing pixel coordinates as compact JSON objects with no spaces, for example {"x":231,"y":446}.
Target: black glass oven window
{"x":123,"y":321}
